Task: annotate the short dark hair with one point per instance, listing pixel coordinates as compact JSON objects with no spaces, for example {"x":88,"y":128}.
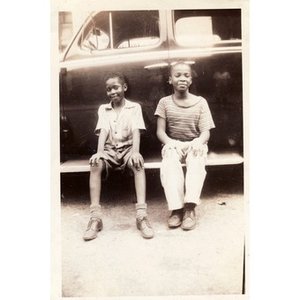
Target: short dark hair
{"x":176,"y":63}
{"x":115,"y":75}
{"x":182,"y":62}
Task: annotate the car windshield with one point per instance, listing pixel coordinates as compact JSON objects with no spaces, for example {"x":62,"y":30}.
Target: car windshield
{"x":119,"y":30}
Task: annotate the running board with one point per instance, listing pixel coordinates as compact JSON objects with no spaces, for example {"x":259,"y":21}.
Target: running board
{"x":213,"y":159}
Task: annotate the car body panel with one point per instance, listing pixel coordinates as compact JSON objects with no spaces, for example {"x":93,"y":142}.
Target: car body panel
{"x":144,"y":54}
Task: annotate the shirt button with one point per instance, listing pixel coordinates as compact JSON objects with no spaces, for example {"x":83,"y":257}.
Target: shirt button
{"x":115,"y":132}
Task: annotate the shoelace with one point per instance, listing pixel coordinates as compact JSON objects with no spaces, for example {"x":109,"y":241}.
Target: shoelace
{"x":91,"y":221}
{"x":146,"y":221}
{"x":189,"y":213}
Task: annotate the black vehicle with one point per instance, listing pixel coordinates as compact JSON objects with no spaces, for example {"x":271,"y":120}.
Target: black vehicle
{"x":142,"y":45}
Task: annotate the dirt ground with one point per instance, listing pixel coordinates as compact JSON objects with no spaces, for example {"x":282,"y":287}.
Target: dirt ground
{"x":119,"y":262}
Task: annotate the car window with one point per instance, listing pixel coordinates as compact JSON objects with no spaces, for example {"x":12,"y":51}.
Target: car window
{"x":119,"y":30}
{"x":207,"y":27}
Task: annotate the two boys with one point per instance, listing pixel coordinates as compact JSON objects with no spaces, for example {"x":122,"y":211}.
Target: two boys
{"x":183,"y":124}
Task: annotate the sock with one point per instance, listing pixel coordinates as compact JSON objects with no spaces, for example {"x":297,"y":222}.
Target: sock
{"x":189,"y":205}
{"x":141,"y":210}
{"x":95,"y":211}
{"x":177,"y":211}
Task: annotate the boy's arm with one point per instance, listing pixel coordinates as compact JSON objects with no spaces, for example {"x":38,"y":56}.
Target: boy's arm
{"x":203,"y":138}
{"x":136,"y":160}
{"x":169,"y":144}
{"x":197,"y":145}
{"x":101,"y":140}
{"x":161,"y":131}
{"x":94,"y":160}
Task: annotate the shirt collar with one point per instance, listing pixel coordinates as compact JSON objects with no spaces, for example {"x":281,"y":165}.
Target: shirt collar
{"x":128,"y":104}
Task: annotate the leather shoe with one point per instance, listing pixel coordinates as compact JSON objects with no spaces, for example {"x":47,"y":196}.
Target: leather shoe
{"x":189,"y":219}
{"x":144,"y":226}
{"x":175,"y":218}
{"x":93,"y":227}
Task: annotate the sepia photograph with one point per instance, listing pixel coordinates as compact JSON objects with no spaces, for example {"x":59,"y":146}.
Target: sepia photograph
{"x":150,"y":104}
{"x":146,"y":153}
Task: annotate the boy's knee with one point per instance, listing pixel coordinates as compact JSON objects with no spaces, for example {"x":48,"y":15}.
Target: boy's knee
{"x":97,"y":169}
{"x":172,"y":159}
{"x":135,"y":170}
{"x":171,"y":155}
{"x":197,"y":159}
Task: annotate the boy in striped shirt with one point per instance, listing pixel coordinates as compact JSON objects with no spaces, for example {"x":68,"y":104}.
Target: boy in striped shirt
{"x":183,"y":126}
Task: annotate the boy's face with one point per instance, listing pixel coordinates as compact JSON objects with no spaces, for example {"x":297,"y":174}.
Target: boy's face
{"x":115,"y":89}
{"x":181,"y":77}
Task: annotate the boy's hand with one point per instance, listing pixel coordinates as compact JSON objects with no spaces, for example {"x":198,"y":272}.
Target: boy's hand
{"x":136,"y":160}
{"x":94,"y":160}
{"x":197,"y":147}
{"x":178,"y":146}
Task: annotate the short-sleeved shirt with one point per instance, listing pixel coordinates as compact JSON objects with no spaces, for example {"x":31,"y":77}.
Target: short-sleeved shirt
{"x":185,"y":123}
{"x":120,"y":127}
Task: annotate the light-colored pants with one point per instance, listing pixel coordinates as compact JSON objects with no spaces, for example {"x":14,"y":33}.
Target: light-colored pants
{"x":180,"y":188}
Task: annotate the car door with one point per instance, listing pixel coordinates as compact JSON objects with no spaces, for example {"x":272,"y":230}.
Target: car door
{"x":211,"y":41}
{"x":131,"y":42}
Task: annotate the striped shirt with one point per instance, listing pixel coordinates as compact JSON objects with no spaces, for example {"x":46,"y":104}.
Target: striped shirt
{"x":185,"y":123}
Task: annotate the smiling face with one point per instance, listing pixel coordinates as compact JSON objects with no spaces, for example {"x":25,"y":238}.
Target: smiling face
{"x":180,"y":77}
{"x":115,"y":90}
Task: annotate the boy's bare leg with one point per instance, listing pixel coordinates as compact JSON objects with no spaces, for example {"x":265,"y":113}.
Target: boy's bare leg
{"x":140,"y":185}
{"x":95,"y":222}
{"x":141,"y":207}
{"x":95,"y":183}
{"x":140,"y":189}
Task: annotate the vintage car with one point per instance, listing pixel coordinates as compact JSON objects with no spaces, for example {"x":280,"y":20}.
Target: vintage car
{"x":142,"y":45}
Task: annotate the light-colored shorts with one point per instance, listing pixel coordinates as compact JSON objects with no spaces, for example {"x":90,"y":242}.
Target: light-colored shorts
{"x":118,"y":159}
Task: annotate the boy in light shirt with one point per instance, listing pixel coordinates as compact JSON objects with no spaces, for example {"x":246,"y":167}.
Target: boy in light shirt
{"x":119,"y":124}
